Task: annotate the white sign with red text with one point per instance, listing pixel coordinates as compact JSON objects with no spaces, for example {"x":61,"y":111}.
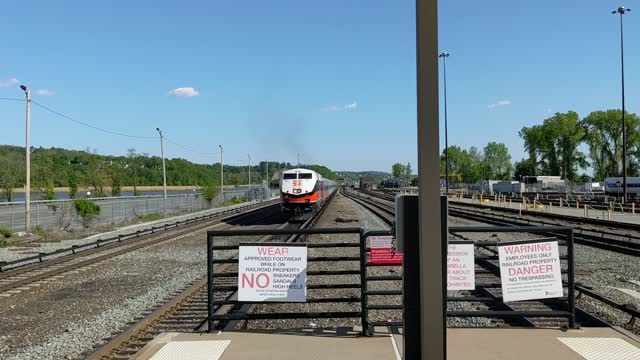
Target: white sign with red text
{"x":461,"y":274}
{"x":380,"y":242}
{"x":272,"y":272}
{"x":530,"y":270}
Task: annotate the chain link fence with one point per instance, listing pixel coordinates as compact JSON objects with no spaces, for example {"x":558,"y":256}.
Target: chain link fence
{"x":61,"y":214}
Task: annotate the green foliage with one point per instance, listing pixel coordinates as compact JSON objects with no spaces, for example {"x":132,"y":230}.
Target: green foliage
{"x":525,"y":167}
{"x":87,"y":209}
{"x":73,"y":190}
{"x":497,"y":161}
{"x":50,"y":194}
{"x":152,"y":217}
{"x":210,"y":190}
{"x":553,"y":146}
{"x":6,"y":232}
{"x":11,"y":170}
{"x":401,"y":171}
{"x":40,"y":231}
{"x":604,"y":138}
{"x":352,"y":177}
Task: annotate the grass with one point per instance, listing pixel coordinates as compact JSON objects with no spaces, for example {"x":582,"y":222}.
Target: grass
{"x":6,"y":232}
{"x":152,"y":217}
{"x":7,"y":243}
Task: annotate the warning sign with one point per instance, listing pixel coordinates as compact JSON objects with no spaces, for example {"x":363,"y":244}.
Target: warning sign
{"x":272,"y":272}
{"x":385,"y":256}
{"x":385,"y":241}
{"x":461,"y":273}
{"x":530,"y":270}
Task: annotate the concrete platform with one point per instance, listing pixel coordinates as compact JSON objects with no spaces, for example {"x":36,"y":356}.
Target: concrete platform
{"x":343,"y":343}
{"x":624,"y":217}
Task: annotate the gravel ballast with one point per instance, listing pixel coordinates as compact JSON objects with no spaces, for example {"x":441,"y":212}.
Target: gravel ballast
{"x":64,"y":318}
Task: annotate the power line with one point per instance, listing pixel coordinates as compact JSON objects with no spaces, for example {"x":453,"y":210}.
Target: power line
{"x":12,"y":99}
{"x":190,"y":150}
{"x":91,"y":126}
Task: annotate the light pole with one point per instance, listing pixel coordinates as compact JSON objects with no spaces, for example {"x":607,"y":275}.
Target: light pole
{"x":164,"y":170}
{"x":221,"y":174}
{"x":249,"y":171}
{"x":622,"y":10}
{"x":27,"y":190}
{"x":444,"y":56}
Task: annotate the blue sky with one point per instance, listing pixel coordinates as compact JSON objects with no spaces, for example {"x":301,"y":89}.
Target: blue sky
{"x":332,"y":80}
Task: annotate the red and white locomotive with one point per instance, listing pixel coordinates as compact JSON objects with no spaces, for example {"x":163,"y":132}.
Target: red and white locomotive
{"x":303,"y":190}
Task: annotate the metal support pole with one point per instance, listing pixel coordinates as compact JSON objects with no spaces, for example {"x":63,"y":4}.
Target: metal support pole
{"x":209,"y":284}
{"x":622,"y":10}
{"x":363,"y":285}
{"x":571,"y":280}
{"x":221,"y":174}
{"x":27,"y":190}
{"x":432,"y":277}
{"x":164,"y":170}
{"x":444,"y":57}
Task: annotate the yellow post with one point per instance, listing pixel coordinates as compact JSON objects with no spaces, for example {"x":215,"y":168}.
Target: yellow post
{"x":578,"y":204}
{"x":520,"y":209}
{"x":560,"y":202}
{"x":550,"y":207}
{"x":534,"y":204}
{"x":585,"y":211}
{"x":609,"y":215}
{"x":633,"y":208}
{"x":509,"y":203}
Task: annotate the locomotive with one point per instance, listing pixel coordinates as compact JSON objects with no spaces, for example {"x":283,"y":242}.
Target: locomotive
{"x":303,"y":192}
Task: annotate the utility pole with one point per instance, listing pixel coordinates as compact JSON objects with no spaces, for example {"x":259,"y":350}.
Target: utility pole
{"x":27,"y":190}
{"x":444,"y":56}
{"x":164,"y":169}
{"x":221,"y":174}
{"x":622,"y":10}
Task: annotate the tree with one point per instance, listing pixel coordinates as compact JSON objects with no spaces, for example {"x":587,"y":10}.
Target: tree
{"x":11,"y":173}
{"x":553,"y":146}
{"x":524,"y":167}
{"x":397,"y":170}
{"x":210,"y":190}
{"x":498,"y":161}
{"x":604,"y":138}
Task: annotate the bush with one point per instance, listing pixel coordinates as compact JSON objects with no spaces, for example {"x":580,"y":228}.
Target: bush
{"x":6,"y":232}
{"x":152,"y":217}
{"x":40,"y":231}
{"x":210,"y":190}
{"x":87,"y":210}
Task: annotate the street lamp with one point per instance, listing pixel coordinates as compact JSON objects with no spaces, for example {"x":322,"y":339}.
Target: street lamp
{"x":164,"y":171}
{"x":249,"y":171}
{"x":221,"y":174}
{"x":444,"y":55}
{"x":622,"y":10}
{"x":27,"y":190}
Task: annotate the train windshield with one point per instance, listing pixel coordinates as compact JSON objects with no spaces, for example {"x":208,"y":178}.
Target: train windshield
{"x":305,"y":176}
{"x":289,"y":176}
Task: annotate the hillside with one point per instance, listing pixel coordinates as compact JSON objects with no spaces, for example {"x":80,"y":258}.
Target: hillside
{"x":56,"y":167}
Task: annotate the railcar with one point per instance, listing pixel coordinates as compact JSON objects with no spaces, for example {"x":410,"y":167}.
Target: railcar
{"x":303,"y":192}
{"x":614,"y":186}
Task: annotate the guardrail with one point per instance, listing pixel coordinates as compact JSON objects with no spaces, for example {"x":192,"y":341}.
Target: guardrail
{"x":41,"y":257}
{"x":223,"y":295}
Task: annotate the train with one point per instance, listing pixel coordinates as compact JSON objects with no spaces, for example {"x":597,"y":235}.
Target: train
{"x":613,"y":186}
{"x":303,"y":192}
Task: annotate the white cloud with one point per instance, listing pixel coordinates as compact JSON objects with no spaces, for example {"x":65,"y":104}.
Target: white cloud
{"x":9,"y":82}
{"x":45,"y":92}
{"x":184,"y":92}
{"x":335,"y":108}
{"x":500,"y":103}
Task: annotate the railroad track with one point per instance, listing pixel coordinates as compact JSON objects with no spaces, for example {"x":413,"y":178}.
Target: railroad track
{"x":380,"y":204}
{"x":23,"y":278}
{"x":186,"y":312}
